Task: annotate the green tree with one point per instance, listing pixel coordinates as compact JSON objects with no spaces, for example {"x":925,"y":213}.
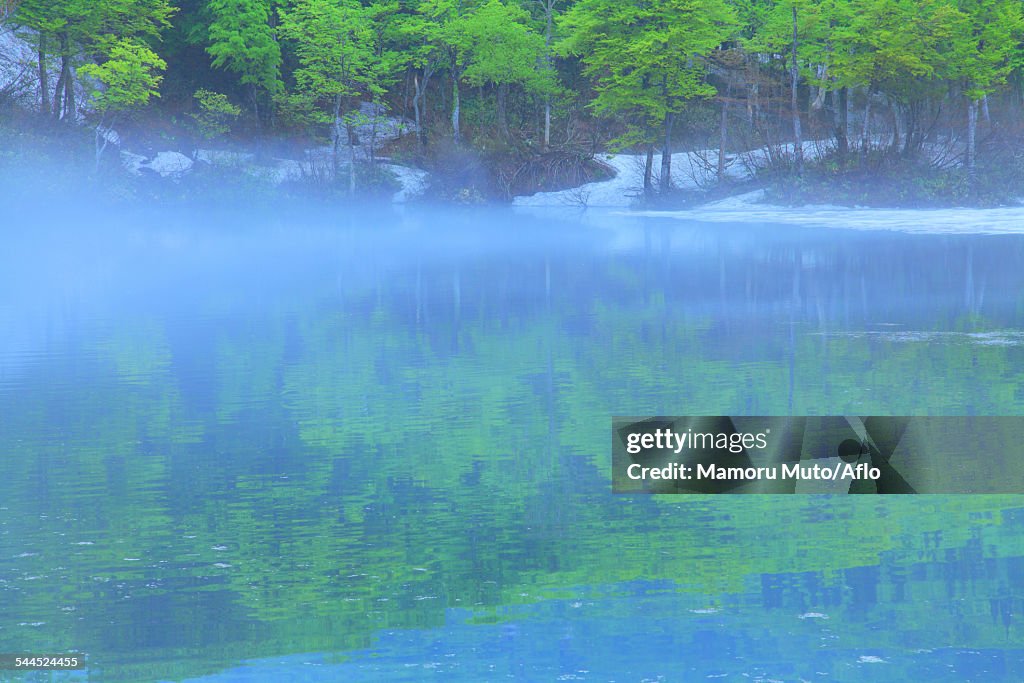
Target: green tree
{"x":502,"y":50}
{"x":797,"y":31}
{"x":986,"y":43}
{"x":241,"y":40}
{"x":215,"y":113}
{"x":339,"y":62}
{"x":894,"y":47}
{"x":648,"y":61}
{"x":424,"y":55}
{"x":128,"y":78}
{"x":79,"y":31}
{"x":445,"y":26}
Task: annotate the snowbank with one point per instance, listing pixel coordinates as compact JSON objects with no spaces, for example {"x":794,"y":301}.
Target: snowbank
{"x":413,"y":182}
{"x":690,"y":171}
{"x":745,"y":210}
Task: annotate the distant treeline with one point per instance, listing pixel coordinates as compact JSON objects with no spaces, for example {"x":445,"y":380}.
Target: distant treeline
{"x":913,"y":78}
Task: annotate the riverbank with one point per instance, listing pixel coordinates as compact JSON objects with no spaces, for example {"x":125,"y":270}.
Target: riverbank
{"x":392,"y":167}
{"x":876,"y":180}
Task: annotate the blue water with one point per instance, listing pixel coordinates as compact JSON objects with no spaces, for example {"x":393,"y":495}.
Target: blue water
{"x":318,"y":445}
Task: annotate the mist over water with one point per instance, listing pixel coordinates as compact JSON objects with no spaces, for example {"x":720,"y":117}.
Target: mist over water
{"x":298,"y":443}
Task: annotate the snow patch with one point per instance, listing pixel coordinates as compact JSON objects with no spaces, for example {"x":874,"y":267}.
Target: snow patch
{"x":169,"y":164}
{"x":1008,"y":220}
{"x":132,"y":162}
{"x":413,"y":182}
{"x":223,"y":157}
{"x":690,"y":171}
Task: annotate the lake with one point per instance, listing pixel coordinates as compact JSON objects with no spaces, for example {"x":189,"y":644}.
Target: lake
{"x":305,"y":445}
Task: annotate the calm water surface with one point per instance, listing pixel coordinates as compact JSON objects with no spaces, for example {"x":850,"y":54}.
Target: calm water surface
{"x":306,"y":447}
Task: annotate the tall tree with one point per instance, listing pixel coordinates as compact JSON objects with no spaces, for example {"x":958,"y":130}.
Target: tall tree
{"x":242,"y":41}
{"x":986,"y":43}
{"x":128,"y":77}
{"x":336,"y":46}
{"x":81,"y":31}
{"x":895,"y":47}
{"x":648,"y":61}
{"x":424,"y":55}
{"x":502,"y":50}
{"x":446,"y":29}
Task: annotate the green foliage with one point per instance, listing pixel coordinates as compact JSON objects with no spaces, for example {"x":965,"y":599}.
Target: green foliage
{"x":647,"y":59}
{"x":215,"y":115}
{"x":987,"y":46}
{"x":603,"y":73}
{"x":335,"y":44}
{"x":500,"y":47}
{"x":129,"y":77}
{"x":242,"y":41}
{"x":114,"y":34}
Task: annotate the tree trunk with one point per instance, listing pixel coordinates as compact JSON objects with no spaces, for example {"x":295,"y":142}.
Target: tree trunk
{"x":547,"y":123}
{"x":753,"y":105}
{"x":58,"y":95}
{"x":256,"y":107}
{"x":102,"y":139}
{"x":501,"y":97}
{"x":798,"y":141}
{"x":843,"y":127}
{"x":351,"y":159}
{"x":666,"y":155}
{"x":972,"y":127}
{"x":416,"y":102}
{"x":455,"y":106}
{"x":70,"y":110}
{"x":336,"y":149}
{"x":419,"y":102}
{"x":549,"y":9}
{"x":723,"y":131}
{"x":822,"y":91}
{"x":649,"y":171}
{"x":65,"y":85}
{"x":44,"y":77}
{"x":895,"y":128}
{"x":864,"y":140}
{"x":910,"y":126}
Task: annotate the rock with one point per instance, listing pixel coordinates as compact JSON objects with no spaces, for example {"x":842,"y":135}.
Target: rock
{"x":412,"y":180}
{"x":380,"y":127}
{"x":223,"y":157}
{"x":169,"y":164}
{"x":19,"y":73}
{"x":18,"y":81}
{"x":132,"y":163}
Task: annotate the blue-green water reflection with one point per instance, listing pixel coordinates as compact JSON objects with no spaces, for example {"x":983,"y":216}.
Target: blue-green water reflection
{"x":302,"y":447}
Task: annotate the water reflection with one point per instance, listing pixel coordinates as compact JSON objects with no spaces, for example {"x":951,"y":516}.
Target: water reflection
{"x":390,"y":439}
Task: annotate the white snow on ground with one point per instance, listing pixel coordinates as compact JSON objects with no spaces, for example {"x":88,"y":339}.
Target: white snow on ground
{"x":690,"y":171}
{"x":224,"y":157}
{"x":412,"y":180}
{"x":169,"y":164}
{"x":132,"y":162}
{"x":690,"y":168}
{"x":164,"y":164}
{"x":744,"y":209}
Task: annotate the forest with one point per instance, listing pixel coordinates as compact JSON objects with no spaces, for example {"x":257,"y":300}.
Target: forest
{"x":895,"y":100}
